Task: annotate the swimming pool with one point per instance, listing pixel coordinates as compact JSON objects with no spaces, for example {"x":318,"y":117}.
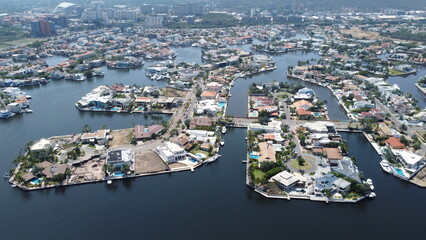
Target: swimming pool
{"x":254,"y":156}
{"x":201,"y":155}
{"x":115,"y":109}
{"x":193,"y":160}
{"x":35,"y":181}
{"x":316,"y":114}
{"x":221,"y":104}
{"x":118,"y":174}
{"x":399,"y":172}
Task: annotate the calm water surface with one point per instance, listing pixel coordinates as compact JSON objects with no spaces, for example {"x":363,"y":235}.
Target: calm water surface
{"x":211,"y":203}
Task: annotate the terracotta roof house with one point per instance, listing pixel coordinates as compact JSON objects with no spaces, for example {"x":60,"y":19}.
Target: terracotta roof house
{"x":267,"y":152}
{"x":304,"y":114}
{"x":395,"y":143}
{"x":142,"y":132}
{"x":200,"y":122}
{"x":209,"y":95}
{"x":302,"y":104}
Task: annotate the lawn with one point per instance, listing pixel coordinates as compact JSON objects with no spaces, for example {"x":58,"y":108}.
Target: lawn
{"x":258,"y":174}
{"x":395,"y":72}
{"x":307,"y":165}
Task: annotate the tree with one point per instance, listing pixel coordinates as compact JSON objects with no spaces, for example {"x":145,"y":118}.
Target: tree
{"x":86,"y":129}
{"x":300,"y":161}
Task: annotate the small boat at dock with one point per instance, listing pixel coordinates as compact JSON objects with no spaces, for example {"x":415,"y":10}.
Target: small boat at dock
{"x":385,"y":166}
{"x":222,"y":142}
{"x":109,"y":181}
{"x":223,"y":130}
{"x":370,"y":182}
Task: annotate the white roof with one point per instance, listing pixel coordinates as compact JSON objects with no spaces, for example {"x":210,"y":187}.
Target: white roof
{"x":410,"y":158}
{"x":42,"y":144}
{"x":287,"y":179}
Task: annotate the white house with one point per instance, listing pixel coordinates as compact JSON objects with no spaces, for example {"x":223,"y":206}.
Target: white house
{"x":411,"y":161}
{"x":171,"y":152}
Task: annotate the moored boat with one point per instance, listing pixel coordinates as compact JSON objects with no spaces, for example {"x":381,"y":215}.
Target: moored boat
{"x":222,"y":142}
{"x":223,"y":130}
{"x":385,"y":166}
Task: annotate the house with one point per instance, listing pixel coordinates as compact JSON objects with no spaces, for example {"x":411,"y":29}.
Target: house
{"x":395,"y":143}
{"x":333,"y":155}
{"x":41,"y":145}
{"x":120,"y":156}
{"x":52,"y":169}
{"x":409,"y":160}
{"x":171,"y":152}
{"x":330,"y":183}
{"x":205,"y":147}
{"x":200,"y":122}
{"x":99,"y":137}
{"x":143,"y":101}
{"x":142,"y":132}
{"x":287,"y":180}
{"x":267,"y":152}
{"x":209,"y":95}
{"x":302,"y":104}
{"x":304,"y":114}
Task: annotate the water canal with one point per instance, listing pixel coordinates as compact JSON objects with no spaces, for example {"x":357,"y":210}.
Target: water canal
{"x":211,"y":203}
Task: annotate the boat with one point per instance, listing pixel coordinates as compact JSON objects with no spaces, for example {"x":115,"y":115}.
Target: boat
{"x":222,"y":142}
{"x":370,"y":182}
{"x":13,"y":185}
{"x":372,"y":195}
{"x":212,"y":159}
{"x":385,"y":166}
{"x":223,"y":130}
{"x":28,"y":110}
{"x":6,"y":175}
{"x":244,"y":161}
{"x":109,"y":181}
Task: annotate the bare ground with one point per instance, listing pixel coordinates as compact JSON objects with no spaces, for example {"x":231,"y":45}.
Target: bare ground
{"x":171,"y":92}
{"x":121,"y":137}
{"x":149,"y":161}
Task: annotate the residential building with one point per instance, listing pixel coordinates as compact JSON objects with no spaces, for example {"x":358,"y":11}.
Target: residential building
{"x":171,"y":152}
{"x":142,"y":132}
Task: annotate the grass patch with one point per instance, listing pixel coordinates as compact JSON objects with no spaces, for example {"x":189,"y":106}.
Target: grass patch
{"x":258,"y":174}
{"x":394,"y":72}
{"x":307,"y":165}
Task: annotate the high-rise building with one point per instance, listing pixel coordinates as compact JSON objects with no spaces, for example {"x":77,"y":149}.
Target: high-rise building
{"x":146,"y":9}
{"x":42,"y":28}
{"x":188,"y":9}
{"x":154,"y":21}
{"x":161,"y":9}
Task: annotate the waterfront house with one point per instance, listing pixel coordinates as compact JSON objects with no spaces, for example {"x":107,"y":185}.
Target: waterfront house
{"x":42,"y":145}
{"x":287,"y":180}
{"x":409,"y":160}
{"x":331,"y":183}
{"x":99,"y":137}
{"x":267,"y":152}
{"x":333,"y":155}
{"x":395,"y":143}
{"x":209,"y":95}
{"x":200,"y":122}
{"x":171,"y":152}
{"x":141,"y":132}
{"x":120,"y":156}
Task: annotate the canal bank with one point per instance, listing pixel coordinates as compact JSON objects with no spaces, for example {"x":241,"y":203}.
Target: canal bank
{"x":214,"y":197}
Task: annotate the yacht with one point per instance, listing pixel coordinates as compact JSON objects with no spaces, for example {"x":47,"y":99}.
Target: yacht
{"x":222,"y":142}
{"x":212,"y":159}
{"x":385,"y":166}
{"x":223,"y":130}
{"x":372,"y":195}
{"x":370,"y":182}
{"x":109,"y":181}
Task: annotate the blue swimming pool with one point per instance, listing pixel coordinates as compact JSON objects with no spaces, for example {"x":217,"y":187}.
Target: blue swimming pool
{"x":35,"y":181}
{"x":254,"y":156}
{"x":193,"y":160}
{"x":115,"y":109}
{"x":118,"y":174}
{"x":399,"y":172}
{"x":317,"y":114}
{"x":221,"y":104}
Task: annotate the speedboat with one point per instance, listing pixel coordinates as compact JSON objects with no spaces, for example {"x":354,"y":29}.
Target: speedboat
{"x":372,"y":195}
{"x":385,"y":166}
{"x":223,"y":130}
{"x":222,"y":142}
{"x":109,"y":181}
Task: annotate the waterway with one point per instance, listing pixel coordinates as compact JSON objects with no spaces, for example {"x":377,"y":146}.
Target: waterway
{"x":211,"y":203}
{"x":407,"y":85}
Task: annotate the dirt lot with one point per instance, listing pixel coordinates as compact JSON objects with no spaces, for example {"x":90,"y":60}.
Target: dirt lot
{"x":420,"y":178}
{"x":121,"y":137}
{"x":171,"y":92}
{"x":358,"y":33}
{"x":149,"y":161}
{"x":89,"y":171}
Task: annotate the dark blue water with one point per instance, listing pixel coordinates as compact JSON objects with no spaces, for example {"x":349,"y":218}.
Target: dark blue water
{"x":211,"y":203}
{"x":407,"y":85}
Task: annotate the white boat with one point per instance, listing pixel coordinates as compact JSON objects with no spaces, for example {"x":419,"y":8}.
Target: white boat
{"x":222,"y":142}
{"x":28,"y":110}
{"x":372,"y":195}
{"x":212,"y":159}
{"x":223,"y":130}
{"x":109,"y":181}
{"x":385,"y":166}
{"x":370,"y":182}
